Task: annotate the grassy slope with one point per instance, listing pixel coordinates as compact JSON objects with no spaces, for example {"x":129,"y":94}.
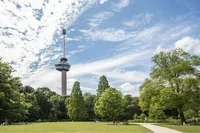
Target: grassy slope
{"x":73,"y":127}
{"x":184,"y":129}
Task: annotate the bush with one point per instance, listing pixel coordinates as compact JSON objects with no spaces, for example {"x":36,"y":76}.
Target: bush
{"x":135,"y":116}
{"x":173,"y":121}
{"x":190,"y":113}
{"x":149,"y":121}
{"x":157,"y":114}
{"x":142,"y":116}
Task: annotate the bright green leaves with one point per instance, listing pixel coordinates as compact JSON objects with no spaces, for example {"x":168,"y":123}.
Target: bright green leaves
{"x":110,"y":103}
{"x":174,"y":83}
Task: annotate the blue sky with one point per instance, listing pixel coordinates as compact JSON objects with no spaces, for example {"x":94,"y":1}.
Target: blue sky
{"x":114,"y":38}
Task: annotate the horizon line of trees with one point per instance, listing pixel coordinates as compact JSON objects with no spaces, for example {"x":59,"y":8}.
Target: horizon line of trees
{"x":172,"y":90}
{"x":24,"y":103}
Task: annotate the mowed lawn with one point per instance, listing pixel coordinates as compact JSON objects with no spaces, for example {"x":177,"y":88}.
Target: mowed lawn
{"x":73,"y":127}
{"x":184,"y":129}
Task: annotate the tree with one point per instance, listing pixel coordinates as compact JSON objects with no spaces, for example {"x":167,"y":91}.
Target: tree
{"x":174,"y":82}
{"x":33,"y":108}
{"x":43,"y":95}
{"x":130,"y":106}
{"x":30,"y":99}
{"x":102,"y":86}
{"x":26,"y":89}
{"x":110,"y":104}
{"x":89,"y":104}
{"x":12,"y":104}
{"x":58,"y":109}
{"x":76,"y":105}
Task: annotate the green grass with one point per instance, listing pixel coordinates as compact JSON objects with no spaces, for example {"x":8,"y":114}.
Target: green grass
{"x":73,"y":127}
{"x":184,"y":129}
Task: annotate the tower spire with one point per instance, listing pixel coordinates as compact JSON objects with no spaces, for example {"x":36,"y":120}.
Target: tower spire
{"x":64,"y":33}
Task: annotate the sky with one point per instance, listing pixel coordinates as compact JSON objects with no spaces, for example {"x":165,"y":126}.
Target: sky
{"x":115,"y":38}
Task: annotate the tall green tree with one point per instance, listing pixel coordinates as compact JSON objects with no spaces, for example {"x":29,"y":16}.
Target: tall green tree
{"x":102,"y":86}
{"x":110,"y":104}
{"x":76,"y":105}
{"x":174,"y":83}
{"x":12,"y":102}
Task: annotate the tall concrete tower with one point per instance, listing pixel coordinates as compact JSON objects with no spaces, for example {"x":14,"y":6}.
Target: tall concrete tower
{"x":63,"y":67}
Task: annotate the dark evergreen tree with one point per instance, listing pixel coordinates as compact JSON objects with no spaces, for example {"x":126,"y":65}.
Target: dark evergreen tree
{"x":76,"y":105}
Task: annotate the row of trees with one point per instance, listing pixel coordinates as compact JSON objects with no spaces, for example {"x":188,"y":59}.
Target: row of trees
{"x":24,"y":103}
{"x":172,"y":89}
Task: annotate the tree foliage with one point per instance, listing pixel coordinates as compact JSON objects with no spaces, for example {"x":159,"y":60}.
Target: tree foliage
{"x":76,"y":105}
{"x":12,"y":104}
{"x":43,"y":95}
{"x":89,"y":104}
{"x":102,"y":86}
{"x":110,"y":104}
{"x":130,"y":107}
{"x":174,"y":82}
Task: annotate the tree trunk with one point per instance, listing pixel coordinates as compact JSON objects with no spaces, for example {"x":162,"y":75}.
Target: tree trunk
{"x":182,"y":118}
{"x":114,"y":121}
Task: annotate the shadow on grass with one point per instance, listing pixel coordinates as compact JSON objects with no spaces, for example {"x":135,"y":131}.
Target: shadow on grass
{"x":131,"y":124}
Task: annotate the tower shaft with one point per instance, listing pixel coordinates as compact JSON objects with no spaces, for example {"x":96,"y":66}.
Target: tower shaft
{"x":63,"y":67}
{"x":64,"y":82}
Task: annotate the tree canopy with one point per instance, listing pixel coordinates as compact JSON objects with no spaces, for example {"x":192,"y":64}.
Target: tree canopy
{"x":174,"y":83}
{"x":12,"y":104}
{"x":110,"y":104}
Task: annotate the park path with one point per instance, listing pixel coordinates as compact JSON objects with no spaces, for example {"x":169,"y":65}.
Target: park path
{"x":158,"y":129}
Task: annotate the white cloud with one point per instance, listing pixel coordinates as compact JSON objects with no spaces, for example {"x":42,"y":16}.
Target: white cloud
{"x":189,"y":44}
{"x":129,"y":23}
{"x":141,"y":19}
{"x":98,"y":18}
{"x":128,"y":88}
{"x":141,"y":39}
{"x":120,"y":61}
{"x":148,"y":34}
{"x":121,"y":4}
{"x":110,"y":34}
{"x":88,"y":89}
{"x":79,"y":49}
{"x":46,"y":77}
{"x":179,"y":32}
{"x":160,"y":48}
{"x":28,"y":28}
{"x":102,"y":1}
{"x":121,"y":75}
{"x":99,"y":67}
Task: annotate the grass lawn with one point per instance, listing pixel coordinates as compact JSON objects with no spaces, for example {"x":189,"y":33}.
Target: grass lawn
{"x":184,"y":129}
{"x":73,"y":127}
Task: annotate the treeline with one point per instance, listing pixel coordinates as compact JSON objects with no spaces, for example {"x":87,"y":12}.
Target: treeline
{"x":171,"y":91}
{"x":24,"y":103}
